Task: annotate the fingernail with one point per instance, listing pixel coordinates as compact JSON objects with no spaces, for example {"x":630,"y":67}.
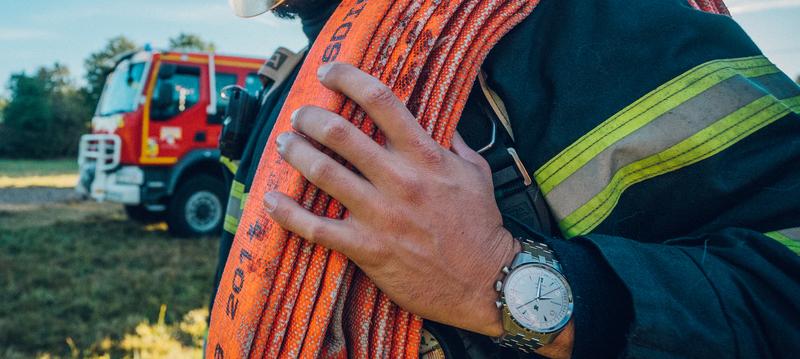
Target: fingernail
{"x":293,"y":117}
{"x":270,"y":201}
{"x":322,"y":70}
{"x":279,"y":141}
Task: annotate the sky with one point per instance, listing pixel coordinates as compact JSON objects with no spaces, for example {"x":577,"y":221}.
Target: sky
{"x":42,"y":32}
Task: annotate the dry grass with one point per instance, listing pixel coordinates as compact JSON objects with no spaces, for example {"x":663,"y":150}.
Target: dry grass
{"x":59,"y":181}
{"x":27,"y":173}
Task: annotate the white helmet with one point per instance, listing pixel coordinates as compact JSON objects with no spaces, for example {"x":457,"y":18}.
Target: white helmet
{"x":248,"y":8}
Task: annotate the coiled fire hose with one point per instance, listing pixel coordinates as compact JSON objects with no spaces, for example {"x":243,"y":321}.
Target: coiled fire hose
{"x":283,"y":297}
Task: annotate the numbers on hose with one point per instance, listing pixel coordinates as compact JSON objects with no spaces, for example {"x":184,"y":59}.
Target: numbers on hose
{"x":237,"y":283}
{"x":240,"y":274}
{"x":244,"y":254}
{"x":218,"y":353}
{"x":230,"y":309}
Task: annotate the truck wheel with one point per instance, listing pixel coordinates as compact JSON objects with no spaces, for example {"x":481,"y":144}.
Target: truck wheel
{"x":139,"y":213}
{"x":197,"y":208}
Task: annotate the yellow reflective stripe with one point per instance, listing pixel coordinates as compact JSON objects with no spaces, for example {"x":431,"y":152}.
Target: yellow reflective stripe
{"x":230,"y":165}
{"x":237,"y":190}
{"x":658,"y":135}
{"x":231,"y":223}
{"x":704,"y":144}
{"x":792,"y":243}
{"x":793,"y":104}
{"x":244,"y":200}
{"x":235,"y":208}
{"x":644,"y":110}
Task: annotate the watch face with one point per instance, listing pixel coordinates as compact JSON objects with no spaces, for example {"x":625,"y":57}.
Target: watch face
{"x":429,"y":347}
{"x":439,"y":341}
{"x":538,"y":298}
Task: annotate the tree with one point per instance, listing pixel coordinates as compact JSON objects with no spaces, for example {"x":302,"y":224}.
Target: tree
{"x":188,"y":42}
{"x":45,"y":116}
{"x":3,"y":103}
{"x":99,"y":64}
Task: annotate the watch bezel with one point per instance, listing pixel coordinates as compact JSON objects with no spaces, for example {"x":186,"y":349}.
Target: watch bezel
{"x":568,"y":292}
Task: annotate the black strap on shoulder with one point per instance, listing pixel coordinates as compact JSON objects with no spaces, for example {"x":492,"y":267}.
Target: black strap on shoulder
{"x":516,"y":193}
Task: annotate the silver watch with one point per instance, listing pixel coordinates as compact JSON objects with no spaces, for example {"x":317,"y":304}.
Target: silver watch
{"x":535,"y":298}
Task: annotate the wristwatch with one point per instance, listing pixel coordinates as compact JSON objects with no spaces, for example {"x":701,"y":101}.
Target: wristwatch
{"x":535,"y":298}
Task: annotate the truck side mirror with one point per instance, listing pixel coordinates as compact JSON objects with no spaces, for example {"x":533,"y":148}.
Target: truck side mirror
{"x":163,"y":98}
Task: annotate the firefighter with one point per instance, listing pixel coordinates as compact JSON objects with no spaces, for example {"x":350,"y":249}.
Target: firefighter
{"x":664,"y":143}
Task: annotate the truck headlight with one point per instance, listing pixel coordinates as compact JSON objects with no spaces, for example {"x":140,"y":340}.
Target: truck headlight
{"x":130,"y":175}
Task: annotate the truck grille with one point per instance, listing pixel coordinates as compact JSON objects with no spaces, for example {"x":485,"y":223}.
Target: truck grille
{"x":104,"y":150}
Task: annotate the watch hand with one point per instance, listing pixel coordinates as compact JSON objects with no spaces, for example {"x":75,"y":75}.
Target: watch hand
{"x":539,"y":289}
{"x":538,"y":295}
{"x":541,"y":297}
{"x":531,"y":301}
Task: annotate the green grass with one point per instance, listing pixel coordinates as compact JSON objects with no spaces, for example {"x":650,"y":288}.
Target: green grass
{"x":95,"y":279}
{"x":27,"y":168}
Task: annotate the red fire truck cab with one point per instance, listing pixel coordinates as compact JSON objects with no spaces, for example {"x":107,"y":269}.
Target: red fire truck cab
{"x":154,"y":137}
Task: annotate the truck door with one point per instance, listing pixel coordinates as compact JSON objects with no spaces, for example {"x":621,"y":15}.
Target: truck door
{"x":222,"y":80}
{"x":174,"y":113}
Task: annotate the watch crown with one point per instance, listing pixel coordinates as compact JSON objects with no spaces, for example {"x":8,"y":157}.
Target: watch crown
{"x":505,"y":270}
{"x":498,"y":286}
{"x":498,"y":304}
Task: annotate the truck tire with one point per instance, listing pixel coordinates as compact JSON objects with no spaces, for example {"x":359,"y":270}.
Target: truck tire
{"x":139,"y":213}
{"x":197,"y":208}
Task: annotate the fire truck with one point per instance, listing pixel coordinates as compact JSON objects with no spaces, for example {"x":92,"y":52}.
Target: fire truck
{"x":154,"y":137}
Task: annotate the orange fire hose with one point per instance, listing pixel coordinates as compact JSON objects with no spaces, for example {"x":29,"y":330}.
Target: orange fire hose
{"x":283,"y":297}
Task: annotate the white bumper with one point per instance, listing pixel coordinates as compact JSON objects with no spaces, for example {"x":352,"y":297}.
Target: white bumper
{"x":101,"y":177}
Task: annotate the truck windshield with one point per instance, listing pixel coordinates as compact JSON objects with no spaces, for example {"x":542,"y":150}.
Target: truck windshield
{"x":121,"y":87}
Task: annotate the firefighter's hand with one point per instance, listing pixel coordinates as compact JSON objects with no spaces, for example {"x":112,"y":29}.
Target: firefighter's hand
{"x":423,"y":223}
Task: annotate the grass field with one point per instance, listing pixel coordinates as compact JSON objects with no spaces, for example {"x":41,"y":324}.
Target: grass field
{"x":28,"y":168}
{"x":97,"y":284}
{"x":50,"y":173}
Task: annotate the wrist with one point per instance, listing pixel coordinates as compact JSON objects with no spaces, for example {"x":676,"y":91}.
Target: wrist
{"x":508,"y":248}
{"x":537,"y":302}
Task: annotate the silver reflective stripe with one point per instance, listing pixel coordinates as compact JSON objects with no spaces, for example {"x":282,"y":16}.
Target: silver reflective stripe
{"x":637,"y":114}
{"x":663,"y":132}
{"x":686,"y":120}
{"x":791,"y":233}
{"x":788,"y":237}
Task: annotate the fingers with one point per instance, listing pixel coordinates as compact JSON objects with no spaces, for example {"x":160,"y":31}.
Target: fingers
{"x":461,"y":149}
{"x":339,"y":135}
{"x":389,"y":113}
{"x":327,"y":232}
{"x":323,"y":171}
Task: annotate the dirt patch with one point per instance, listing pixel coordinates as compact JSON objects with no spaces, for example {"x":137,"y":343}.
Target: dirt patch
{"x":44,"y":206}
{"x":36,"y":195}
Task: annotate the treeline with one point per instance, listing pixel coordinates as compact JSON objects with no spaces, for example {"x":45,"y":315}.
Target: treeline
{"x":48,"y":111}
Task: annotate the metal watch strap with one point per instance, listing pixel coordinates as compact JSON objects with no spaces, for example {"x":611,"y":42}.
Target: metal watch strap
{"x":519,"y":342}
{"x":535,"y":252}
{"x":532,"y":252}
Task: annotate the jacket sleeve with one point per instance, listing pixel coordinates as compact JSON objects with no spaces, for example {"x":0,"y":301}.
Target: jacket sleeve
{"x":668,"y":257}
{"x":731,"y":293}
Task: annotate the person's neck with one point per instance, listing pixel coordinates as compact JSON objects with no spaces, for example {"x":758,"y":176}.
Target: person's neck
{"x":313,"y":24}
